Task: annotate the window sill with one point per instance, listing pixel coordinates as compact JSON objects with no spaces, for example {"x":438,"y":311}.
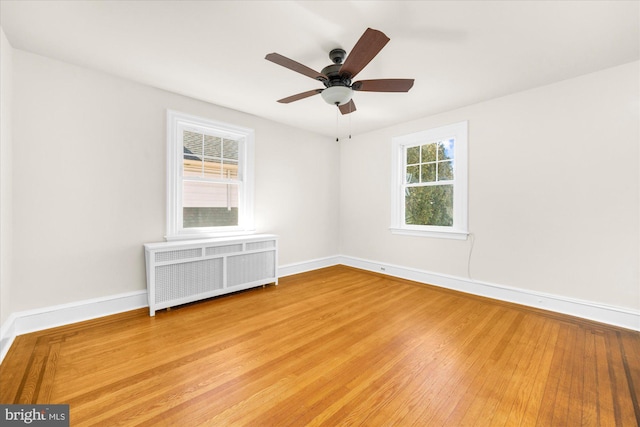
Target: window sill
{"x":196,"y":236}
{"x":440,"y":234}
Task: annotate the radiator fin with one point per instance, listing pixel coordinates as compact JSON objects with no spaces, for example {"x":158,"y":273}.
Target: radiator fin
{"x":250,"y":267}
{"x":182,"y":280}
{"x":178,"y":254}
{"x":226,"y":249}
{"x":267,"y":244}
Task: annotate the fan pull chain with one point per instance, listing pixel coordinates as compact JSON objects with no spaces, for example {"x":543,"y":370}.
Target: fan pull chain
{"x":338,"y":121}
{"x":350,"y":112}
{"x":337,"y":127}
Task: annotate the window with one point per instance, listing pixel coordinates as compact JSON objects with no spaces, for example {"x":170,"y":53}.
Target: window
{"x":429,"y":195}
{"x":209,"y":177}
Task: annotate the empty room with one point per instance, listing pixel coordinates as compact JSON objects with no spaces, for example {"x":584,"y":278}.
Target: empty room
{"x":323,"y":213}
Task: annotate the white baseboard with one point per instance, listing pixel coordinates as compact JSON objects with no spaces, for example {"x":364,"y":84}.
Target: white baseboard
{"x":303,"y":267}
{"x":35,"y":320}
{"x":616,"y":316}
{"x":24,"y":322}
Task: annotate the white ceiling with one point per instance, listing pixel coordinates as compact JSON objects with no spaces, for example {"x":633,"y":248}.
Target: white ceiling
{"x":458,"y":52}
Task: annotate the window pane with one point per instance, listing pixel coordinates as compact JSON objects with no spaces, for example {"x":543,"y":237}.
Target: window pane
{"x":445,"y":149}
{"x":445,"y":170}
{"x":192,"y":167}
{"x":230,"y":150}
{"x":209,"y":217}
{"x":429,"y":205}
{"x":212,"y":168}
{"x":413,"y":155}
{"x":428,"y":172}
{"x":212,"y":146}
{"x":208,"y":204}
{"x":192,"y":144}
{"x":192,"y":153}
{"x":429,"y":153}
{"x":413,"y":174}
{"x":230,"y":169}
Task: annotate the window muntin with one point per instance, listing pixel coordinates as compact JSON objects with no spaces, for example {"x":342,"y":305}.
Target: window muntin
{"x":209,"y":177}
{"x":429,"y":194}
{"x":429,"y":183}
{"x":209,"y":156}
{"x":210,"y":180}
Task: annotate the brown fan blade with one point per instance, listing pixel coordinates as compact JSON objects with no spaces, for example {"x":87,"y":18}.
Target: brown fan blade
{"x":383,"y":85}
{"x":299,"y":96}
{"x":347,"y":108}
{"x":370,"y":43}
{"x":276,"y":58}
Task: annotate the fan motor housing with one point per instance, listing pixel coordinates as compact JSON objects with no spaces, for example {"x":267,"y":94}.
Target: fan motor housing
{"x":334,"y":78}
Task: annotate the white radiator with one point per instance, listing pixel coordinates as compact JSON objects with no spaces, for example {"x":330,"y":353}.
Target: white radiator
{"x":186,"y":271}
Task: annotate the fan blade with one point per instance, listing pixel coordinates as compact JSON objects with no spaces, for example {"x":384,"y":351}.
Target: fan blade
{"x":347,"y":108}
{"x":276,"y":58}
{"x":299,"y":96}
{"x":383,"y":85}
{"x":370,"y":43}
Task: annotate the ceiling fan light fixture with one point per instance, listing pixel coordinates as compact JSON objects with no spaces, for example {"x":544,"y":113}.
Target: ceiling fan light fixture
{"x":337,"y":95}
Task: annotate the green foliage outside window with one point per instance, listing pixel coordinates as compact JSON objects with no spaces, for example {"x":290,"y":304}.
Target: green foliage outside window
{"x":429,"y":189}
{"x":429,"y":205}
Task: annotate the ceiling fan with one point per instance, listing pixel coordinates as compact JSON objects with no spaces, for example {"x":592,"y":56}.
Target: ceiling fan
{"x":337,"y":77}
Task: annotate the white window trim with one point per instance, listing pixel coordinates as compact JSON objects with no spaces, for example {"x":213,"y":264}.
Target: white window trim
{"x":459,"y":230}
{"x":176,"y":122}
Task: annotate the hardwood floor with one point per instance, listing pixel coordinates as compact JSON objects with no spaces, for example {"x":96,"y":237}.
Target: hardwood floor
{"x":333,"y":347}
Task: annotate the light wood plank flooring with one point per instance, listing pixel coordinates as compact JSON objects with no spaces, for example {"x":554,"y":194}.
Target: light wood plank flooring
{"x":334,"y":347}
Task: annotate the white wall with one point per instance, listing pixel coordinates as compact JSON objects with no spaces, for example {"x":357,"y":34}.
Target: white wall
{"x":6,"y":65}
{"x":89,"y":182}
{"x":554,"y":187}
{"x":553,"y":182}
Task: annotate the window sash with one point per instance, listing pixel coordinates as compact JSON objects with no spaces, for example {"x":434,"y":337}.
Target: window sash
{"x":241,"y":179}
{"x":400,"y":146}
